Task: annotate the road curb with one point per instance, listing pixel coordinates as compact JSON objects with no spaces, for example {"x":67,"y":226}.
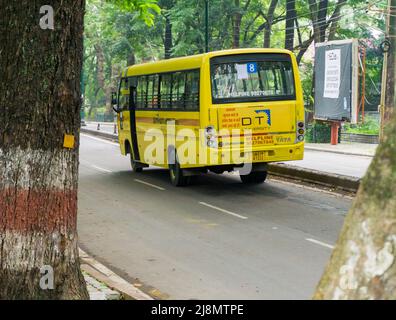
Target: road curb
{"x":106,"y":135}
{"x":340,"y":182}
{"x":101,"y":273}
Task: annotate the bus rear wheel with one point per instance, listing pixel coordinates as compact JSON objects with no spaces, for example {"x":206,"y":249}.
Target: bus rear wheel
{"x":254,"y":177}
{"x":177,"y":176}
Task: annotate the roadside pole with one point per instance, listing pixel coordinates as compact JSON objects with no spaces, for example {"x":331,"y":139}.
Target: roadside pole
{"x":335,"y":127}
{"x":388,"y":89}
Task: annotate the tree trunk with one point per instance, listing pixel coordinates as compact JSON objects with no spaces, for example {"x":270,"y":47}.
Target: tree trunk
{"x":168,"y":41}
{"x":289,"y":31}
{"x":236,"y":25}
{"x":100,"y":63}
{"x":268,"y":28}
{"x":390,"y":96}
{"x":322,"y":15}
{"x":303,"y":48}
{"x":313,"y":8}
{"x":109,"y":108}
{"x":334,"y":19}
{"x":131,"y":59}
{"x":363,"y":263}
{"x":39,"y":103}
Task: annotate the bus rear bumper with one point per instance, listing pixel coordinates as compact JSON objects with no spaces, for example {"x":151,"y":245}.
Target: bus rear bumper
{"x":256,"y":155}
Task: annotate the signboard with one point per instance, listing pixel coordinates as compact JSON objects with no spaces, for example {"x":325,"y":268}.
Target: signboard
{"x":332,"y":77}
{"x":336,"y":80}
{"x":243,"y":70}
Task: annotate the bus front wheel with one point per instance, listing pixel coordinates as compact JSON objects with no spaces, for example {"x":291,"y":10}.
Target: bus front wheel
{"x":136,"y":167}
{"x":254,"y":177}
{"x":177,"y":177}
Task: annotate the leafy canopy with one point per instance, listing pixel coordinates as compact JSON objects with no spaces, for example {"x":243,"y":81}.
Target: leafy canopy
{"x":147,"y":8}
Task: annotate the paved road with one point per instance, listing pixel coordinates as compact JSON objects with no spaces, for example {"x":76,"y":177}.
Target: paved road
{"x":349,"y":165}
{"x":216,"y":239}
{"x":104,"y":127}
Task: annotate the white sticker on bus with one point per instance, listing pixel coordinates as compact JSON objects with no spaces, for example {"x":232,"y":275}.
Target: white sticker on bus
{"x":242,"y":71}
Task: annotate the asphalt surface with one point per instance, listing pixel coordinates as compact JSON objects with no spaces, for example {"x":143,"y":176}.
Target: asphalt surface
{"x":216,"y":239}
{"x":344,"y":164}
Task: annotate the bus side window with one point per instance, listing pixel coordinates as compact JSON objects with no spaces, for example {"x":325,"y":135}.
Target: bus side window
{"x":178,"y":87}
{"x":156,"y":88}
{"x":165,"y":91}
{"x":141,"y":99}
{"x":152,"y":91}
{"x":192,"y":90}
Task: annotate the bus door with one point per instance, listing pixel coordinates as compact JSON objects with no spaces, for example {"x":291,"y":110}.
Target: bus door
{"x":123,"y":112}
{"x":132,"y":112}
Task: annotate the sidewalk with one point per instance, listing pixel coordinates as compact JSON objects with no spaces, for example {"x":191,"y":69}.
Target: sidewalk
{"x":351,"y":148}
{"x":103,"y":284}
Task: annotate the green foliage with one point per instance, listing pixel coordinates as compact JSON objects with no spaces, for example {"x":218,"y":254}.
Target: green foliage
{"x":318,"y":132}
{"x":146,"y":8}
{"x":91,"y":114}
{"x":306,"y":71}
{"x":117,"y":29}
{"x":370,"y":126}
{"x":136,"y":28}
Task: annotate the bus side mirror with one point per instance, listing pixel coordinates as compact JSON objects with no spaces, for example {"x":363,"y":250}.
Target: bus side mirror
{"x":114,"y":102}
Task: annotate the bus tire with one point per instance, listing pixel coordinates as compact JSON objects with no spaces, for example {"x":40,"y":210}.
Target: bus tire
{"x":136,"y":167}
{"x":178,"y":179}
{"x":254,"y":177}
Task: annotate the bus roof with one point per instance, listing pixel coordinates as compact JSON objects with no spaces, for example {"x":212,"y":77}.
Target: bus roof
{"x":190,"y":62}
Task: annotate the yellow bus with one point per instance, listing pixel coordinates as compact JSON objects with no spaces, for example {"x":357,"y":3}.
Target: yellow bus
{"x":220,"y":111}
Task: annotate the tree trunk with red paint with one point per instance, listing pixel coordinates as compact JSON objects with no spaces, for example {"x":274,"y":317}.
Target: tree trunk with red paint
{"x":39,"y":103}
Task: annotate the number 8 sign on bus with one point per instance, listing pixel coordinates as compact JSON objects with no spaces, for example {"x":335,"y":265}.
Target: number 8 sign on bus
{"x":252,"y":67}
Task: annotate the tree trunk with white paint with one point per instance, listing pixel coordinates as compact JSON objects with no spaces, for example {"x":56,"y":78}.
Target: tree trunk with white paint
{"x":363,"y":263}
{"x":39,"y":103}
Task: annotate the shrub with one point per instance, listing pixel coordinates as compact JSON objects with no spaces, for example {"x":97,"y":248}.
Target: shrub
{"x":370,"y":126}
{"x":320,"y":132}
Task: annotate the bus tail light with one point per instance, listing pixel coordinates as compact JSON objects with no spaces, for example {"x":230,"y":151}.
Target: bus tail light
{"x":211,"y":137}
{"x":300,"y":131}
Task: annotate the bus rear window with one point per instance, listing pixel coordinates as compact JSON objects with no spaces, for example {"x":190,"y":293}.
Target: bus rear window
{"x":240,"y":81}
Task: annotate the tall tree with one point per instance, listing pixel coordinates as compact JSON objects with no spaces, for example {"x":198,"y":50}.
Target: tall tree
{"x":236,"y":24}
{"x":318,"y":12}
{"x":290,"y":20}
{"x":266,"y":20}
{"x":363,"y":263}
{"x":166,"y":5}
{"x":335,"y":19}
{"x":268,"y":26}
{"x":322,"y":19}
{"x":168,"y":41}
{"x":390,"y":67}
{"x":39,"y":105}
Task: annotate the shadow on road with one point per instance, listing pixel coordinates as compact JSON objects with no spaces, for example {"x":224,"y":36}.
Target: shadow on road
{"x":205,"y":184}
